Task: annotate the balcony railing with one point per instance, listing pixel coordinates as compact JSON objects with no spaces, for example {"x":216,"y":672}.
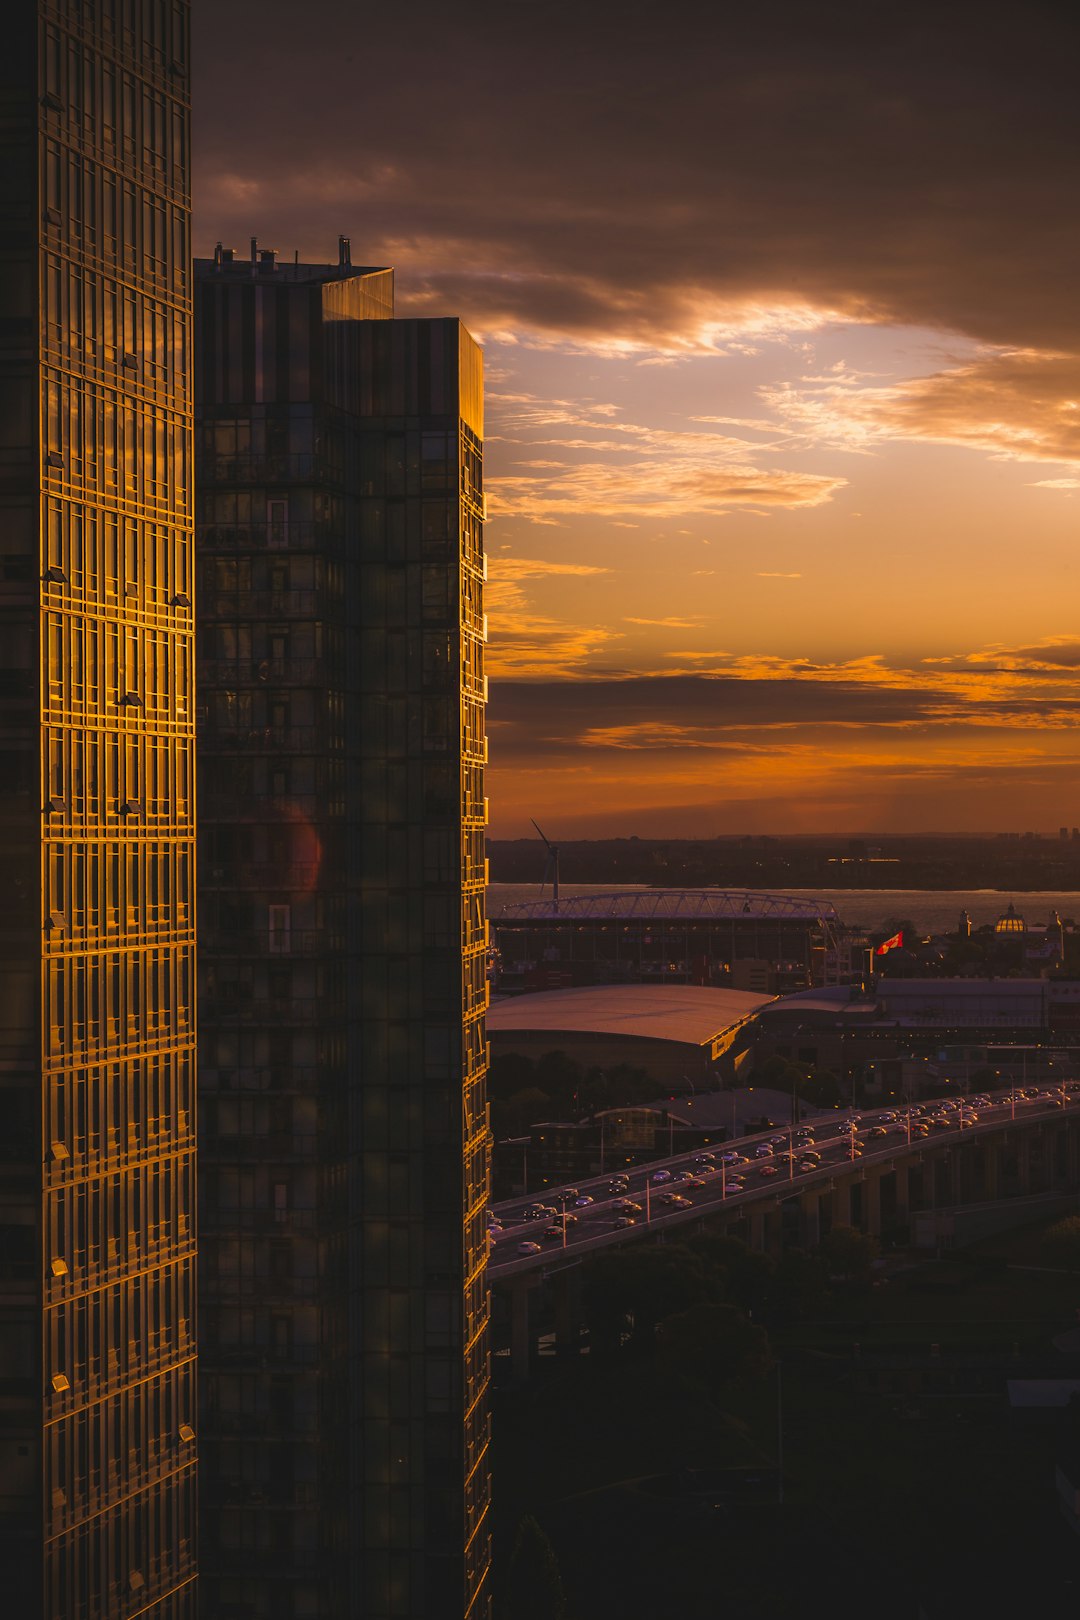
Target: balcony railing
{"x":215,"y":603}
{"x":265,"y":469}
{"x":231,"y":672}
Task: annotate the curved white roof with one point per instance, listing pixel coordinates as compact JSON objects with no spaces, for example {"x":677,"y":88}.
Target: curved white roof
{"x":694,"y":1014}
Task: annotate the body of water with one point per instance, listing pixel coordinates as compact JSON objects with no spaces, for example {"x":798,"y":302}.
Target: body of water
{"x":933,"y":911}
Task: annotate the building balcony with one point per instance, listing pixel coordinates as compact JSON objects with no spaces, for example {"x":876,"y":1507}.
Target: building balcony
{"x":300,"y":467}
{"x":259,"y":739}
{"x":217,"y":539}
{"x":246,"y":605}
{"x":229,"y":673}
{"x":296,"y":1012}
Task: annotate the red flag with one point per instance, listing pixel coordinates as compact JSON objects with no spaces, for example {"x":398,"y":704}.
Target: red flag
{"x":890,"y":944}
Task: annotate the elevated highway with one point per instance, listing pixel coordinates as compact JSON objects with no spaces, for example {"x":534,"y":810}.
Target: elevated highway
{"x":874,"y":1177}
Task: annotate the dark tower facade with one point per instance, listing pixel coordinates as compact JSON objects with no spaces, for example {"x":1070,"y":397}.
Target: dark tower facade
{"x":97,"y":1235}
{"x":342,"y":935}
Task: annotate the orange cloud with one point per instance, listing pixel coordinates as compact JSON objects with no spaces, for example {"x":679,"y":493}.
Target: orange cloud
{"x":1019,"y":405}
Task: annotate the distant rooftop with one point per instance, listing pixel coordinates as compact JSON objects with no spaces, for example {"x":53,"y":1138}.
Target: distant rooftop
{"x":265,"y":262}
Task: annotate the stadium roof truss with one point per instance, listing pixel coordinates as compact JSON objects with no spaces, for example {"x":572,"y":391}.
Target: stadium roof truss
{"x":674,"y":905}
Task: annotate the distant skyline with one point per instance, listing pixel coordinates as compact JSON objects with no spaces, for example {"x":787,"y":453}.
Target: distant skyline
{"x":779,"y":319}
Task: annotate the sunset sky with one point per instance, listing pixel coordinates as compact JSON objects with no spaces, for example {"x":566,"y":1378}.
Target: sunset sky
{"x":779,"y":312}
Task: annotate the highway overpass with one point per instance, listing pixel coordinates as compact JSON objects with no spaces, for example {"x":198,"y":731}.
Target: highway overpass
{"x":1018,"y":1146}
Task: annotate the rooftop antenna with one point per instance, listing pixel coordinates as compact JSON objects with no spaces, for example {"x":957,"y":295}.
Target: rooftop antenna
{"x":551,"y":865}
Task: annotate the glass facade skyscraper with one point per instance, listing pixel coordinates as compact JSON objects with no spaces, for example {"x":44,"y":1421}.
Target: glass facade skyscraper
{"x":97,"y":1306}
{"x":342,"y":936}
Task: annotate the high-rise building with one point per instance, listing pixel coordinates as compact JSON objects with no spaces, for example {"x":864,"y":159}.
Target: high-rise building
{"x":97,"y":1307}
{"x":343,"y":1343}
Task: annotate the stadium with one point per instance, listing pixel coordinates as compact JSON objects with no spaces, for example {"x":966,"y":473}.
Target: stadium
{"x":739,"y":938}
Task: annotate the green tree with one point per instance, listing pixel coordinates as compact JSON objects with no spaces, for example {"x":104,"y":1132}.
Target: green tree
{"x":1061,"y":1243}
{"x":798,"y":1285}
{"x":631,"y":1085}
{"x":510,"y":1072}
{"x":822,"y":1088}
{"x":515,"y":1115}
{"x":715,"y":1344}
{"x":848,"y":1253}
{"x":560,"y":1077}
{"x":743,"y":1276}
{"x":643,"y":1283}
{"x":534,"y":1588}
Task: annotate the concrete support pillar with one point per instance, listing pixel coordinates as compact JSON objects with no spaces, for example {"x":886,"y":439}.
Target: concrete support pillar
{"x":520,"y":1336}
{"x":950,"y":1178}
{"x":991,"y":1152}
{"x":841,"y":1203}
{"x":774,"y":1230}
{"x":757,"y":1230}
{"x":567,"y":1291}
{"x":810,"y":1220}
{"x":1043,"y":1158}
{"x":903,"y":1192}
{"x":872,"y":1204}
{"x":1022,"y":1148}
{"x":1072,"y":1151}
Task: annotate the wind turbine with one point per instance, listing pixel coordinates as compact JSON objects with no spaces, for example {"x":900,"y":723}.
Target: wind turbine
{"x":551,"y":865}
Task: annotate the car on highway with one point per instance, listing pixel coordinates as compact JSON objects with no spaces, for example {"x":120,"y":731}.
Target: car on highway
{"x":733,"y":1185}
{"x":554,"y":1234}
{"x":619,"y":1185}
{"x":877,"y":1130}
{"x":659,"y":1176}
{"x":675,"y":1200}
{"x":694,"y":1181}
{"x":626,"y":1220}
{"x":769,"y":1169}
{"x":684,"y":1175}
{"x":583,"y":1202}
{"x":539,"y":1212}
{"x":626,"y":1206}
{"x":763,"y":1150}
{"x":731,"y":1157}
{"x":529,"y":1248}
{"x":705,"y":1158}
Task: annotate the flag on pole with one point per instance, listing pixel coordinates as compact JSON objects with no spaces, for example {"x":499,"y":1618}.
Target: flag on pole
{"x":890,"y":944}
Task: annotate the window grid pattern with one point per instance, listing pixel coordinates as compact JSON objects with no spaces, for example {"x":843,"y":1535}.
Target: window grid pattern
{"x":343,"y":944}
{"x":109,"y":474}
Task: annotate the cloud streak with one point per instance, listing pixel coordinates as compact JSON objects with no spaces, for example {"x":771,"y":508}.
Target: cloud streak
{"x":1015,"y":405}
